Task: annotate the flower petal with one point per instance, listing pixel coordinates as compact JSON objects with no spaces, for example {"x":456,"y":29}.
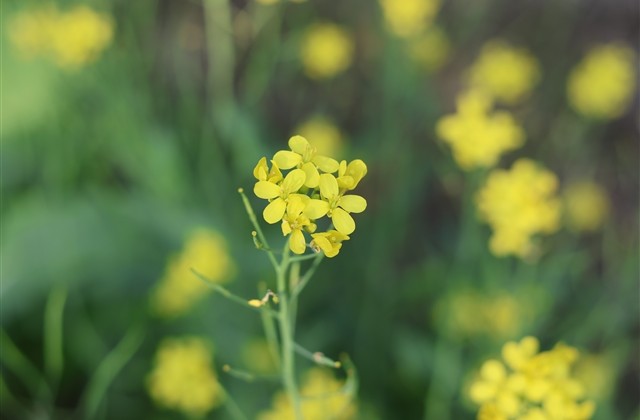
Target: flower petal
{"x":313,"y":176}
{"x":261,"y":169}
{"x":328,"y":186}
{"x":296,"y":205}
{"x":343,"y":221}
{"x":316,"y":209}
{"x":322,"y":243}
{"x":299,"y":144}
{"x":286,"y":228}
{"x":353,"y":203}
{"x":274,"y":211}
{"x":326,"y":164}
{"x":286,"y":159}
{"x":297,"y":244}
{"x":266,"y":190}
{"x":293,"y":181}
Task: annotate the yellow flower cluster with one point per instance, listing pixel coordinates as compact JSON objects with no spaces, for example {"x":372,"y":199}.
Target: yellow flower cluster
{"x":505,"y":72}
{"x":327,"y":138}
{"x":72,"y":39}
{"x":518,"y":204}
{"x":477,"y":135}
{"x":183,"y":379}
{"x":586,"y":206}
{"x":408,"y":18}
{"x":531,"y":385}
{"x":323,"y":398}
{"x":603,"y":84}
{"x":206,"y":252}
{"x":310,"y":191}
{"x":326,"y":50}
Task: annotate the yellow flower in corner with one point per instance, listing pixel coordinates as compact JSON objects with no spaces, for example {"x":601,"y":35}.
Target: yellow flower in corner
{"x":505,"y":72}
{"x":340,"y":205}
{"x":531,"y":385}
{"x":326,"y":51}
{"x":603,"y":84}
{"x":477,"y":136}
{"x":519,"y":204}
{"x":586,"y":206}
{"x":178,"y":290}
{"x":408,"y":18}
{"x":183,"y":379}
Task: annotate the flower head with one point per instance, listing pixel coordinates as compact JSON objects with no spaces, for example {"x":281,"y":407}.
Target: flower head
{"x":477,"y":136}
{"x":505,"y":72}
{"x":178,"y":290}
{"x":408,"y":18}
{"x":519,"y":204}
{"x":531,"y":385}
{"x":326,"y":51}
{"x":182,"y":377}
{"x":328,"y":242}
{"x":602,"y":85}
{"x":340,"y":205}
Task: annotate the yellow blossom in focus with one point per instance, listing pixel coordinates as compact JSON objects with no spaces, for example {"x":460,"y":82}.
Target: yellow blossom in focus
{"x":430,"y":49}
{"x":507,"y":73}
{"x":179,"y":289}
{"x":325,"y":135}
{"x":72,"y":39}
{"x":328,"y":242}
{"x":478,"y":136}
{"x":323,"y":397}
{"x":529,"y":384}
{"x":586,"y":206}
{"x":518,"y":204}
{"x":326,"y":50}
{"x":183,"y":379}
{"x":602,"y":85}
{"x":408,"y":18}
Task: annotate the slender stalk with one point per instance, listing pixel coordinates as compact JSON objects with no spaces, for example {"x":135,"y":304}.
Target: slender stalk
{"x":232,"y":406}
{"x":270,"y":332}
{"x":53,"y":334}
{"x":317,"y":357}
{"x":286,"y":336}
{"x":21,"y":366}
{"x":256,"y":226}
{"x":307,"y":276}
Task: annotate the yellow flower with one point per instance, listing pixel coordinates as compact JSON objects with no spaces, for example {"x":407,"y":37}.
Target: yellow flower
{"x":300,"y":210}
{"x":586,"y":206}
{"x":72,"y":39}
{"x":329,"y":242}
{"x":326,"y":136}
{"x":407,"y":18}
{"x":478,"y":137}
{"x":430,"y":49}
{"x":340,"y":205}
{"x":602,"y":85}
{"x":350,"y":175}
{"x":505,"y":72}
{"x":519,"y":204}
{"x":531,"y":385}
{"x":304,"y":156}
{"x":262,"y":172}
{"x":178,"y":290}
{"x":279,"y":194}
{"x":323,"y":397}
{"x":326,"y":50}
{"x":182,"y":378}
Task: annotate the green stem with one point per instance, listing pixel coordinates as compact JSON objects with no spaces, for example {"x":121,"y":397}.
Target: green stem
{"x":307,"y":276}
{"x":256,"y":226}
{"x":286,"y":335}
{"x":232,"y":406}
{"x":109,"y":369}
{"x":270,"y":334}
{"x":317,"y":357}
{"x":303,"y":258}
{"x":294,"y":279}
{"x":22,"y":367}
{"x":53,"y":334}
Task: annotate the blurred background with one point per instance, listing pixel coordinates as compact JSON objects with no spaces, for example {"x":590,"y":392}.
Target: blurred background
{"x":127,"y":128}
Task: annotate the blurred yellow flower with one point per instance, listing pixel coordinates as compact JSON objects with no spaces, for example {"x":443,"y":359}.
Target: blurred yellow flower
{"x":507,"y":73}
{"x":531,"y":385}
{"x":408,"y":18}
{"x":586,"y":206}
{"x":179,"y":289}
{"x":602,"y":85}
{"x":182,"y":377}
{"x":518,"y":204}
{"x":323,"y":397}
{"x":325,"y":135}
{"x":477,"y":136}
{"x":72,"y":39}
{"x":430,"y":49}
{"x":326,"y":50}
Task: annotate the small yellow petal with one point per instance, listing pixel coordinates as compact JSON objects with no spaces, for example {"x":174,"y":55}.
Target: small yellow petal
{"x":256,"y":303}
{"x":326,"y":164}
{"x":297,"y":243}
{"x":286,"y":159}
{"x":315,"y":209}
{"x":343,"y":222}
{"x":313,"y":176}
{"x":274,"y":211}
{"x":261,"y":169}
{"x":296,"y":205}
{"x":293,"y":181}
{"x":298,"y":144}
{"x":353,"y":203}
{"x":328,"y":186}
{"x":266,"y":190}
